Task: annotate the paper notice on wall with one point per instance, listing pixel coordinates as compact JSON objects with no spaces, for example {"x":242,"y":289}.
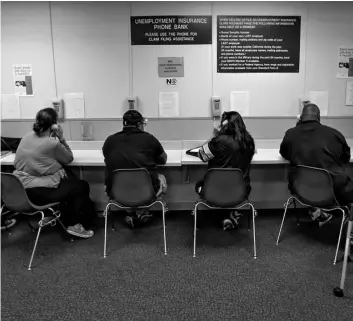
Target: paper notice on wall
{"x":345,"y":62}
{"x":349,"y":93}
{"x":74,"y":105}
{"x":168,"y":104}
{"x":240,"y":102}
{"x":10,"y":107}
{"x":320,"y":98}
{"x":22,"y":80}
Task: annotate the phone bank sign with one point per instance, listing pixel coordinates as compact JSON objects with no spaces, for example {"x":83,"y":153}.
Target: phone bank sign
{"x":171,"y":30}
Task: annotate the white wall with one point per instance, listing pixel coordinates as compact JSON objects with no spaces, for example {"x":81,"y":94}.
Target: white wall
{"x":26,"y":39}
{"x":91,"y":47}
{"x":93,"y":55}
{"x":330,"y":25}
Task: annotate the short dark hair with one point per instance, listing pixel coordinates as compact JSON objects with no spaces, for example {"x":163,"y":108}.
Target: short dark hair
{"x":311,"y":111}
{"x":132,"y":118}
{"x":44,"y":120}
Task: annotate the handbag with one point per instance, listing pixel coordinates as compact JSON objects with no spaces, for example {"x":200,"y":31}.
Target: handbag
{"x":10,"y":144}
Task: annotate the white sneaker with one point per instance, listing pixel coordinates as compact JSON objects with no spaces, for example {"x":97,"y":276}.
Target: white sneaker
{"x":79,"y":231}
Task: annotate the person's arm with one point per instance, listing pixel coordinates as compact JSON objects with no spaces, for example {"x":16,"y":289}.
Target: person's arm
{"x":162,"y":159}
{"x":346,"y":151}
{"x":208,"y":150}
{"x":105,"y":147}
{"x":160,"y":154}
{"x":285,"y":147}
{"x":63,"y":153}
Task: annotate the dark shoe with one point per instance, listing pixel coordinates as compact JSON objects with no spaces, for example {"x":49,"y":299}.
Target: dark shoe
{"x":8,"y":223}
{"x":324,"y":218}
{"x":235,"y":217}
{"x":144,"y":217}
{"x":129,"y":220}
{"x":315,"y":214}
{"x":227,"y":225}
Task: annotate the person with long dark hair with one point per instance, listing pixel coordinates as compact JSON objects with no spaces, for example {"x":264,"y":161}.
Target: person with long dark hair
{"x":39,"y":164}
{"x":231,"y":146}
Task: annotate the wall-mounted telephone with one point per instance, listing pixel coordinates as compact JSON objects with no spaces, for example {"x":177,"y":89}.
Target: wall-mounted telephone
{"x":58,"y":105}
{"x":216,"y":106}
{"x":302,"y":101}
{"x":132,"y":102}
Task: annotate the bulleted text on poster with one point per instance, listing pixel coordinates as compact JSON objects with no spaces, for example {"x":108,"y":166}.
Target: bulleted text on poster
{"x":250,"y":44}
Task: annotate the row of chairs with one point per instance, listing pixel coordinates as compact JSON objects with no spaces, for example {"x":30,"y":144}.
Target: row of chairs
{"x":223,"y":189}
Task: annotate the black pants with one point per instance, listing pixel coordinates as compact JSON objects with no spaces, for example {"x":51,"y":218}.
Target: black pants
{"x":73,"y":194}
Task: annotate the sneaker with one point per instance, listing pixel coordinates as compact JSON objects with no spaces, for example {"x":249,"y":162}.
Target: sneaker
{"x":144,"y":217}
{"x":314,"y":214}
{"x":235,"y":217}
{"x":79,"y":231}
{"x":227,"y":224}
{"x":324,"y":218}
{"x":129,"y":220}
{"x":8,"y":223}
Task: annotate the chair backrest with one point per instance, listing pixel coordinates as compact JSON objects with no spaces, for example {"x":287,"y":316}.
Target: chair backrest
{"x":132,"y":187}
{"x":13,"y":193}
{"x":224,"y":187}
{"x":313,"y":186}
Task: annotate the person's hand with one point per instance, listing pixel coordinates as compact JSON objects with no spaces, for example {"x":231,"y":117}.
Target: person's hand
{"x":58,"y":132}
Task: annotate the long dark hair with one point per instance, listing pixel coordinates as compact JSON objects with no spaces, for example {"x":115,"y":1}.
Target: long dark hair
{"x":232,"y":124}
{"x":44,"y":120}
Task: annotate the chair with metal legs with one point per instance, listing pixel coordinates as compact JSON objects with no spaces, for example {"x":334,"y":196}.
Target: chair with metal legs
{"x":313,"y":187}
{"x":133,"y":189}
{"x":338,"y":291}
{"x":15,"y":198}
{"x":225,"y":189}
{"x":7,"y":215}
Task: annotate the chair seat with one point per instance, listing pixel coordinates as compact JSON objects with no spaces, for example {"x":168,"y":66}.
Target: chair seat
{"x":324,"y":206}
{"x":221,"y":206}
{"x":44,"y":207}
{"x":133,"y":207}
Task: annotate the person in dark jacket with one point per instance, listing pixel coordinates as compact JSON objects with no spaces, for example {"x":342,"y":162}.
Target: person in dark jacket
{"x":231,"y":146}
{"x":134,"y":148}
{"x":312,"y":144}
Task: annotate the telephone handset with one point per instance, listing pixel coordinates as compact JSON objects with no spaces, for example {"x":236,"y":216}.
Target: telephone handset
{"x":55,"y":130}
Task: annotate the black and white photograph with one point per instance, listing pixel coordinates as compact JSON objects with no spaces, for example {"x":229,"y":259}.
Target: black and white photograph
{"x":176,"y":160}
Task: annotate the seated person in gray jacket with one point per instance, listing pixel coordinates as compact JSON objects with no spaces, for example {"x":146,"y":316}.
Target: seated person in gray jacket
{"x":39,"y":163}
